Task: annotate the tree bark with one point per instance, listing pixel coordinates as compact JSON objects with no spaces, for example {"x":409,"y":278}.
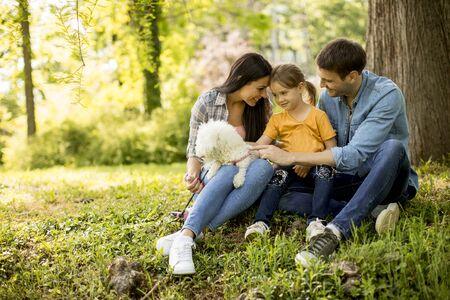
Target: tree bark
{"x":408,"y":41}
{"x":152,"y":88}
{"x":27,"y":70}
{"x":145,"y":16}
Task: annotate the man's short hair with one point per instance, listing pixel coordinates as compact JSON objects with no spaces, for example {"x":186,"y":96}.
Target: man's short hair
{"x":342,"y":56}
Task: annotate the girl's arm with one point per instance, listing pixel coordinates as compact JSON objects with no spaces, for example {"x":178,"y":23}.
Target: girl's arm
{"x":264,"y":140}
{"x":330,"y":143}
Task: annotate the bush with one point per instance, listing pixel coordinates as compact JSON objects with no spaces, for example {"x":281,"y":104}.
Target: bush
{"x":104,"y":140}
{"x":169,"y":138}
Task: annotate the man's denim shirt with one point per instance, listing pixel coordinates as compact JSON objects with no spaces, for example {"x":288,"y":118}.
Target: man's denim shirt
{"x":378,"y":114}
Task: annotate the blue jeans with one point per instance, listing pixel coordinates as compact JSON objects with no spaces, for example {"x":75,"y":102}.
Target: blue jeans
{"x":219,"y":201}
{"x":385,"y":182}
{"x":322,"y":180}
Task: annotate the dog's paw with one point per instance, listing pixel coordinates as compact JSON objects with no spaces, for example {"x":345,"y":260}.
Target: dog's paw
{"x":238,"y":181}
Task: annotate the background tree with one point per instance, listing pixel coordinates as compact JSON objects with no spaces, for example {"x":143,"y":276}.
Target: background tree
{"x":146,"y":15}
{"x":408,"y":41}
{"x":27,"y":70}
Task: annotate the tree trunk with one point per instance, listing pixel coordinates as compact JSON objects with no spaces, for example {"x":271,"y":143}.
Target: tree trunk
{"x":146,"y":15}
{"x":152,"y":88}
{"x":26,"y":47}
{"x":408,"y":41}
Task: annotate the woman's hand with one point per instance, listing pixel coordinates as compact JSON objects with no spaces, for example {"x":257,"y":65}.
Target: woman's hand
{"x":193,"y":183}
{"x":192,"y":177}
{"x":301,"y":171}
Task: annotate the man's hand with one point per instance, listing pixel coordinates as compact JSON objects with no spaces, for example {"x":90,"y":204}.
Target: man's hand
{"x":273,"y":154}
{"x":301,"y":171}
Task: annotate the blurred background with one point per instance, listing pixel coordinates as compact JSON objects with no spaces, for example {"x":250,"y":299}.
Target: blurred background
{"x":102,"y":82}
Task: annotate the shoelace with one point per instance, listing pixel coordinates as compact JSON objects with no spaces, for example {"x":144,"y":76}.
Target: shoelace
{"x":259,"y":225}
{"x":185,"y":253}
{"x":321,"y":242}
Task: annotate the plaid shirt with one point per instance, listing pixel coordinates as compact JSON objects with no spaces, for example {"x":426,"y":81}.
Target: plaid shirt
{"x":211,"y":105}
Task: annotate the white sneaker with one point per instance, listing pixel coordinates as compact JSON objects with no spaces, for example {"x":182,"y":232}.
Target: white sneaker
{"x":387,"y":219}
{"x":314,"y":228}
{"x":305,"y":258}
{"x":165,"y":243}
{"x":257,"y":228}
{"x":180,"y":257}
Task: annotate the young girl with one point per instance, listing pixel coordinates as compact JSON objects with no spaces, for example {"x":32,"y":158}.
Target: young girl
{"x":301,"y":127}
{"x":241,"y":101}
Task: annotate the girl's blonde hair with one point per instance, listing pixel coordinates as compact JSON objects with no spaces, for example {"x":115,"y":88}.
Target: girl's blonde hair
{"x":290,"y":76}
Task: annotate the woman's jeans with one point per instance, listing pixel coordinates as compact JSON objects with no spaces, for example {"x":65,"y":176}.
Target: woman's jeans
{"x":386,"y":182}
{"x":219,"y":201}
{"x":321,"y":178}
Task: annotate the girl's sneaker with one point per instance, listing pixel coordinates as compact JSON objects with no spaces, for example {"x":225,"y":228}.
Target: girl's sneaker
{"x":258,"y":228}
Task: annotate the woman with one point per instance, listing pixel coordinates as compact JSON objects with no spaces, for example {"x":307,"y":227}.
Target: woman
{"x":242,"y":101}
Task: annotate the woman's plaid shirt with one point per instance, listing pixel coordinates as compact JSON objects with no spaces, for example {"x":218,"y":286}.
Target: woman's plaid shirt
{"x":211,"y":105}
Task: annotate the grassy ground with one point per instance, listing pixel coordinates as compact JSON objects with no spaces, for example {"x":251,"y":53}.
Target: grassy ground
{"x":61,"y":227}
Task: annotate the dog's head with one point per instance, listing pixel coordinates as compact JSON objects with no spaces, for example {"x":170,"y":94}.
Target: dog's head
{"x":216,"y":140}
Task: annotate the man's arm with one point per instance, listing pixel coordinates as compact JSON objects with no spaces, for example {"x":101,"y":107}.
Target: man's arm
{"x":370,"y":134}
{"x":284,"y":158}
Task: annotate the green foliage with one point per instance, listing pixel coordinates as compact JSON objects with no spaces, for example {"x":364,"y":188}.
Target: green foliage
{"x":105,"y":140}
{"x":332,"y":19}
{"x":55,"y":247}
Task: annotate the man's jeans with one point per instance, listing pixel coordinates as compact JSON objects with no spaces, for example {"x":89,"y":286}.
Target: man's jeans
{"x":386,"y":182}
{"x":320,"y":176}
{"x":219,"y":201}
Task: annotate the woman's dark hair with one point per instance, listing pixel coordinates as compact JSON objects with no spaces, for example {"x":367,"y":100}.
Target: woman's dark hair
{"x":342,"y":56}
{"x":247,"y":68}
{"x":290,"y":76}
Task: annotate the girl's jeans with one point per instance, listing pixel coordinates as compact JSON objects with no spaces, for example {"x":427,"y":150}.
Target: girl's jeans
{"x":387,"y":181}
{"x":219,"y":201}
{"x":321,"y":178}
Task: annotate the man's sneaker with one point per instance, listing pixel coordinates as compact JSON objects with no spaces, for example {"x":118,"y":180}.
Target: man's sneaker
{"x":257,"y":228}
{"x":322,"y":245}
{"x":387,"y":219}
{"x":314,"y":228}
{"x":180,"y":257}
{"x":165,"y":243}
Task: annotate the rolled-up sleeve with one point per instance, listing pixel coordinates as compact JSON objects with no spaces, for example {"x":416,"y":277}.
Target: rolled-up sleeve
{"x":198,"y":116}
{"x":370,"y":134}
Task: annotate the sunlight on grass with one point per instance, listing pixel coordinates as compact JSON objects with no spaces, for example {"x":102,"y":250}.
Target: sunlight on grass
{"x":61,"y":227}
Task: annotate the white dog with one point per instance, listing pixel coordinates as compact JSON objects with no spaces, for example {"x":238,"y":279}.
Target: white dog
{"x":218,"y":143}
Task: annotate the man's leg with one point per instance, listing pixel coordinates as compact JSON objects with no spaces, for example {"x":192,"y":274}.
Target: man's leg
{"x":389,"y":166}
{"x":387,"y":177}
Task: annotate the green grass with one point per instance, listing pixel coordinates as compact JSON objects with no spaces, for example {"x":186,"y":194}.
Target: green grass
{"x":53,"y":245}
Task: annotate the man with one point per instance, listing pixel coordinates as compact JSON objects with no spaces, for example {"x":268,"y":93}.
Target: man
{"x":371,"y":158}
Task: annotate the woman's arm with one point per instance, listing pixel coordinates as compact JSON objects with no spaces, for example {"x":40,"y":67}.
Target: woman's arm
{"x":192,"y":176}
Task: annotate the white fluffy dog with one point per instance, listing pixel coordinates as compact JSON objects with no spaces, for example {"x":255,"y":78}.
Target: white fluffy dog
{"x":218,"y":143}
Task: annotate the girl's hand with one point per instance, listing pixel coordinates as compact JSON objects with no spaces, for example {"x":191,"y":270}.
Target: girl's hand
{"x":301,"y":171}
